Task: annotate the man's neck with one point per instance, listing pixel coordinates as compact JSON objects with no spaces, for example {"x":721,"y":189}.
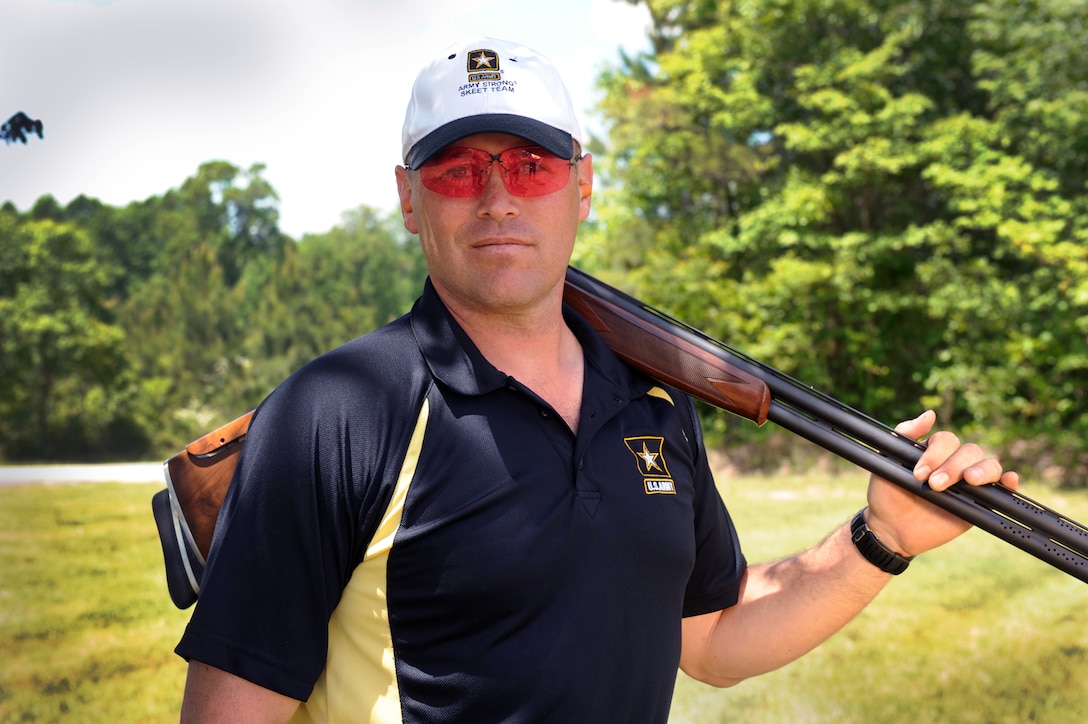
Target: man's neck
{"x":535,"y":347}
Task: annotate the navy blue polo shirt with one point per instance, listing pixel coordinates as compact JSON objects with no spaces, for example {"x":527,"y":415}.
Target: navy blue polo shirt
{"x":413,"y":535}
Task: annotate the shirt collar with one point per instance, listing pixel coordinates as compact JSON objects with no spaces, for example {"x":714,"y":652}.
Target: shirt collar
{"x":456,"y":362}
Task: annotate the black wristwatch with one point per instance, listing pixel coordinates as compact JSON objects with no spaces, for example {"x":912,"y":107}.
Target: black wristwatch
{"x":873,"y":550}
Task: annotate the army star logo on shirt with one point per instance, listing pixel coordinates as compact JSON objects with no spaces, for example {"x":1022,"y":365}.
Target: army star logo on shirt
{"x":648,"y":453}
{"x":649,"y":458}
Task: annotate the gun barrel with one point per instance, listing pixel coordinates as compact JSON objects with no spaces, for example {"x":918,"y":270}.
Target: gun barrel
{"x":838,"y":428}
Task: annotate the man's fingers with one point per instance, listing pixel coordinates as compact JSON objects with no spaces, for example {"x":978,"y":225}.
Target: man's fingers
{"x":919,"y":426}
{"x":933,"y":465}
{"x":966,"y":462}
{"x":1010,"y":479}
{"x":982,"y":472}
{"x":946,"y":461}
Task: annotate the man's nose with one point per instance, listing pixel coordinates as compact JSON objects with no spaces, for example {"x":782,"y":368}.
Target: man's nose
{"x":496,"y":200}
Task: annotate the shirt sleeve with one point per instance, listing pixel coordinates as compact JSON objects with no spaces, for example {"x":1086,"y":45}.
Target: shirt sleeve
{"x":719,"y":561}
{"x":287,"y":538}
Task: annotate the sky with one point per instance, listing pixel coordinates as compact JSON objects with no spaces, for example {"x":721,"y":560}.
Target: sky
{"x":135,"y":94}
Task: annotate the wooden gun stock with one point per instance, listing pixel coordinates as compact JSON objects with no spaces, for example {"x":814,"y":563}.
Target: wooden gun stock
{"x":655,"y":349}
{"x":185,"y":512}
{"x":199,"y":477}
{"x":680,"y":356}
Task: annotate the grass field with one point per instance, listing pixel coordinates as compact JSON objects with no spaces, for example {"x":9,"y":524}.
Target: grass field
{"x":976,"y":632}
{"x":87,"y":629}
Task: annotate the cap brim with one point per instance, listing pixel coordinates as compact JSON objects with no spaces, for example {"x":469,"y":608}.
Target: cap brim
{"x":548,"y":137}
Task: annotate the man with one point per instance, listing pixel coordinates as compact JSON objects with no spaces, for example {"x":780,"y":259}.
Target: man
{"x":447,"y":519}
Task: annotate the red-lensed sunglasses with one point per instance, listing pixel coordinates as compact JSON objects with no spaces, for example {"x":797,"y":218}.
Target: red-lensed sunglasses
{"x":463,"y":172}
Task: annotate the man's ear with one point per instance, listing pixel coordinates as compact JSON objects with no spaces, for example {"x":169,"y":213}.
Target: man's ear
{"x":585,"y":186}
{"x":404,"y":191}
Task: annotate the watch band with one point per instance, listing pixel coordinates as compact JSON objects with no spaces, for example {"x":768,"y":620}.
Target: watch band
{"x":873,"y":550}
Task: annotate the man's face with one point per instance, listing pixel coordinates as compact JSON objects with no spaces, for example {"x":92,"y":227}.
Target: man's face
{"x":496,"y":252}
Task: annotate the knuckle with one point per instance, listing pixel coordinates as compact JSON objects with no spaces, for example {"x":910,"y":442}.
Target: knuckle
{"x":972,"y":451}
{"x":944,"y":438}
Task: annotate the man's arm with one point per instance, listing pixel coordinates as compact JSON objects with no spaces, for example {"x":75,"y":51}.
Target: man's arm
{"x":213,"y":695}
{"x":788,"y":607}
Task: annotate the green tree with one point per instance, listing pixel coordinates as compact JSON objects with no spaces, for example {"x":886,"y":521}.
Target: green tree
{"x":1016,"y":177}
{"x":330,"y":288}
{"x":130,"y":331}
{"x":184,"y":331}
{"x":127,"y":241}
{"x":61,"y":352}
{"x":205,"y":252}
{"x":880,"y":198}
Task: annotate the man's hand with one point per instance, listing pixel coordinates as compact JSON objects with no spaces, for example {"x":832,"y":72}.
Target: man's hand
{"x":906,"y":523}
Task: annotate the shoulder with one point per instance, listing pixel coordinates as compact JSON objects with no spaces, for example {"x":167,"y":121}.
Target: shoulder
{"x":371,"y":385}
{"x":379,"y":360}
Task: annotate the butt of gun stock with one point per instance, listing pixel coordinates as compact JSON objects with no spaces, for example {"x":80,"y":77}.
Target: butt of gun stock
{"x":185,"y":512}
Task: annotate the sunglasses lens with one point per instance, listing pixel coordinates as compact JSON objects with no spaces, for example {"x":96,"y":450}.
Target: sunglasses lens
{"x":533,"y":171}
{"x":463,"y":172}
{"x":459,"y":172}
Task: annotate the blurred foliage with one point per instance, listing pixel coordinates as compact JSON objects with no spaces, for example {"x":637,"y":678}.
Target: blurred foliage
{"x":884,"y":199}
{"x":127,"y":332}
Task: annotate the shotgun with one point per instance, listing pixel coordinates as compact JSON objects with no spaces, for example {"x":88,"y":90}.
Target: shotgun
{"x":672,"y":352}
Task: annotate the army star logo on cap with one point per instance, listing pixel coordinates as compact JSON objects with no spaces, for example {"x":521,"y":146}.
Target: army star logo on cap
{"x":483,"y":65}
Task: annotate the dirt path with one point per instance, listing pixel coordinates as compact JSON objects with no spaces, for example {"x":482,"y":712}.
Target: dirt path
{"x":106,"y":473}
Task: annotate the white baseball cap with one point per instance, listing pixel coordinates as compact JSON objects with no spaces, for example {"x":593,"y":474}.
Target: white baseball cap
{"x":486,"y":85}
